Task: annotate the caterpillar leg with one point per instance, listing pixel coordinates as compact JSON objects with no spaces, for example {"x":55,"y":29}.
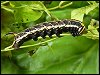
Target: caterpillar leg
{"x":50,"y":33}
{"x":75,"y":34}
{"x":43,"y":33}
{"x":35,"y":36}
{"x":57,"y":32}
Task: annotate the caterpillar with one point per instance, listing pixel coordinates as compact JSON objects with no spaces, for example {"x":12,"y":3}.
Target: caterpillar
{"x":75,"y":27}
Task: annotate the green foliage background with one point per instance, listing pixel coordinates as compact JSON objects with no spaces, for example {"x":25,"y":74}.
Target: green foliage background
{"x":65,"y":55}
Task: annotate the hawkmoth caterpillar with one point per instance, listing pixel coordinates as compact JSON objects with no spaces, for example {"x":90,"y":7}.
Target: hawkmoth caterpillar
{"x":75,"y":27}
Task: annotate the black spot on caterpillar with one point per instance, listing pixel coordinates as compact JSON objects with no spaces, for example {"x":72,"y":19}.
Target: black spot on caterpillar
{"x":75,"y":27}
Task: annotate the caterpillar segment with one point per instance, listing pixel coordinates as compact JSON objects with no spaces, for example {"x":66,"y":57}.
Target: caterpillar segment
{"x":75,"y":27}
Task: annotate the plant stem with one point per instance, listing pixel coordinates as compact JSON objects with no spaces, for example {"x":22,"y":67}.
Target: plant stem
{"x":9,"y":48}
{"x":4,"y":2}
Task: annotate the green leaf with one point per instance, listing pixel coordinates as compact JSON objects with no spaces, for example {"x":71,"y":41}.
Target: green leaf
{"x":25,"y":11}
{"x":53,"y":4}
{"x":87,"y":62}
{"x":79,"y":13}
{"x":92,"y":30}
{"x":24,"y":15}
{"x":91,"y":2}
{"x":94,"y":13}
{"x":36,"y":5}
{"x":8,"y":67}
{"x":68,"y":56}
{"x":61,"y":14}
{"x":64,"y":56}
{"x":7,"y":9}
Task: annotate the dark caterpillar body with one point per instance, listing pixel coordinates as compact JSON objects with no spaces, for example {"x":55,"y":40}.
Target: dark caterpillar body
{"x":75,"y":27}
